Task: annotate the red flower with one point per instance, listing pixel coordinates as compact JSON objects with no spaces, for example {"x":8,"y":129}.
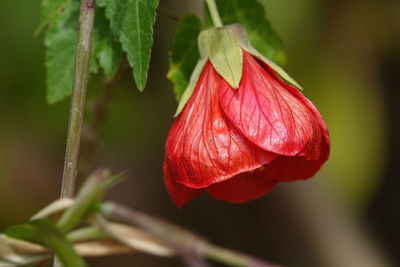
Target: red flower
{"x":237,"y":144}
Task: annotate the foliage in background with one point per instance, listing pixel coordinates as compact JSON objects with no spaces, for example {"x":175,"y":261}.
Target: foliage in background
{"x":184,"y":53}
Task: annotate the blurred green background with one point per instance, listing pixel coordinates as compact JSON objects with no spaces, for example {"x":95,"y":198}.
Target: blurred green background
{"x":346,"y":54}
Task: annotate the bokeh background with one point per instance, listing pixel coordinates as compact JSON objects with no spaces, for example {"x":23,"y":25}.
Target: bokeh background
{"x":346,"y":54}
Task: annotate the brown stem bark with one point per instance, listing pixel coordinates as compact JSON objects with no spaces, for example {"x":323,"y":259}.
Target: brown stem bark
{"x":86,"y":21}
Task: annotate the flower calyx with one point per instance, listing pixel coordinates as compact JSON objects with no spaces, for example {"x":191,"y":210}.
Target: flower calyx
{"x":223,"y":47}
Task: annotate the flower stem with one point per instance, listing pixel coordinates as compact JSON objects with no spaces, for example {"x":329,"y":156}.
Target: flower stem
{"x":77,"y":109}
{"x":214,"y":13}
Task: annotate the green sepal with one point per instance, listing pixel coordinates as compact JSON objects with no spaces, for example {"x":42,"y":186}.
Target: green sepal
{"x":252,"y":15}
{"x":281,"y":72}
{"x":192,"y":84}
{"x":242,"y":36}
{"x":222,"y":47}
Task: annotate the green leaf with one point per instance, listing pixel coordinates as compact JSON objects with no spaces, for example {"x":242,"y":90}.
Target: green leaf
{"x":51,"y":9}
{"x":45,"y":232}
{"x":132,"y":21}
{"x":184,"y":53}
{"x":107,"y":52}
{"x":60,"y":41}
{"x":251,"y":14}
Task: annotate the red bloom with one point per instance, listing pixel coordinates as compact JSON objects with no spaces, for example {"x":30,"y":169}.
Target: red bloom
{"x":237,"y":144}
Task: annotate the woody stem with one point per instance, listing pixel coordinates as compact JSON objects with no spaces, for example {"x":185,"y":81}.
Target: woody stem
{"x":77,"y":109}
{"x":216,"y":18}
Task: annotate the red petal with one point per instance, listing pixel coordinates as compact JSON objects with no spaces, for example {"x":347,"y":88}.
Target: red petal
{"x":272,"y":114}
{"x":286,"y":169}
{"x":179,"y":193}
{"x":242,"y":188}
{"x":203,"y":147}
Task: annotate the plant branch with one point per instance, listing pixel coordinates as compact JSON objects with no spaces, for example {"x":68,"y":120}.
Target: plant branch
{"x":231,"y":257}
{"x":77,"y":109}
{"x":214,"y":13}
{"x":184,"y":242}
{"x":87,"y":234}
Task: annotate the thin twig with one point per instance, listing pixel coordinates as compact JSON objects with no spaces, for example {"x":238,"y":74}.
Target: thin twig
{"x":83,"y":51}
{"x":232,"y":258}
{"x":184,"y":242}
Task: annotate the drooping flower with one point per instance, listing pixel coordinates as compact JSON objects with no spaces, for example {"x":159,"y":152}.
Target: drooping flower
{"x":237,"y":137}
